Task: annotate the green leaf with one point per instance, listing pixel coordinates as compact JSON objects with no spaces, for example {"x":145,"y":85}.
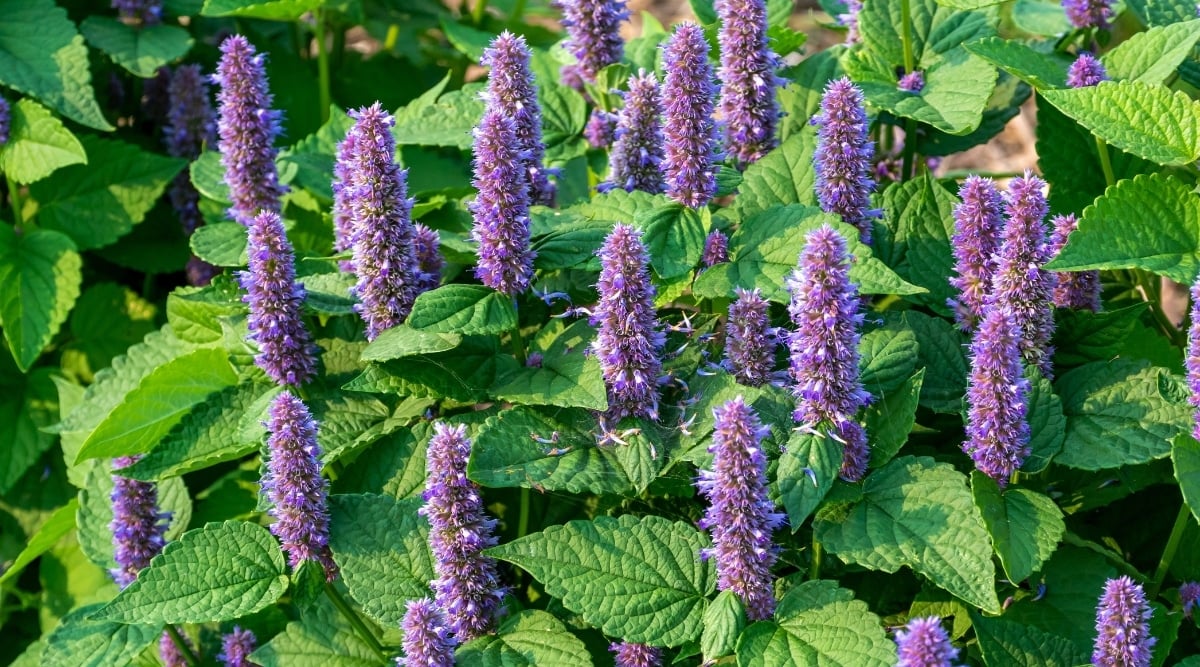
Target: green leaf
{"x":799,"y":492}
{"x":1081,"y":336}
{"x":800,"y":98}
{"x":196,"y":313}
{"x":28,"y":404}
{"x":95,"y":514}
{"x":48,"y":534}
{"x":567,"y":380}
{"x":1162,"y":12}
{"x":916,"y":513}
{"x":1015,"y":645}
{"x":216,"y":573}
{"x":312,"y":156}
{"x":447,"y":122}
{"x":1007,"y":98}
{"x":274,"y":10}
{"x":40,"y":274}
{"x":723,"y":623}
{"x":571,"y":242}
{"x":469,"y":41}
{"x":381,"y":547}
{"x":890,"y":420}
{"x":674,"y":236}
{"x":887,"y":357}
{"x":936,"y":30}
{"x":818,"y":623}
{"x":1149,"y":121}
{"x":394,"y":465}
{"x":1047,"y":424}
{"x":321,"y":638}
{"x":919,"y":247}
{"x":464,"y":310}
{"x":942,"y":354}
{"x":462,"y":374}
{"x":329,"y":293}
{"x":81,"y":642}
{"x":1151,"y":222}
{"x":1154,"y":55}
{"x":783,"y":176}
{"x":38,"y":144}
{"x":42,"y":55}
{"x":957,"y":88}
{"x":208,"y":175}
{"x":222,"y":244}
{"x":106,"y":320}
{"x":1185,"y":455}
{"x":637,"y":578}
{"x":1025,"y":525}
{"x":528,"y":637}
{"x":1120,"y":413}
{"x":1038,"y":69}
{"x":98,"y":203}
{"x":160,"y":401}
{"x":142,"y":50}
{"x":564,"y":114}
{"x":1074,"y":578}
{"x":405,"y":341}
{"x":1041,"y":17}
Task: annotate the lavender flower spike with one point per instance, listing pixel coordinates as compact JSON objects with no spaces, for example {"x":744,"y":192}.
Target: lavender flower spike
{"x":1189,"y":595}
{"x":427,"y":641}
{"x":343,"y":187}
{"x":913,"y":82}
{"x":169,"y":652}
{"x":286,"y":352}
{"x":1192,"y":362}
{"x":467,"y":587}
{"x":139,"y":12}
{"x":740,"y":516}
{"x":628,"y":343}
{"x":1074,"y":289}
{"x":748,"y":80}
{"x":1088,"y":13}
{"x":1020,"y":285}
{"x":977,"y":223}
{"x":189,"y":128}
{"x":236,"y":648}
{"x":850,"y":20}
{"x":716,"y":249}
{"x":138,"y":527}
{"x":626,"y":654}
{"x":1086,"y":71}
{"x":427,"y":245}
{"x":593,"y":34}
{"x":1123,"y":626}
{"x":690,"y":163}
{"x":749,"y":345}
{"x":501,"y":209}
{"x":636,"y":158}
{"x":601,"y":129}
{"x":511,"y":90}
{"x":843,"y":157}
{"x":824,"y":346}
{"x":5,"y":121}
{"x":924,"y":643}
{"x":248,"y":127}
{"x":997,"y":431}
{"x":294,"y":485}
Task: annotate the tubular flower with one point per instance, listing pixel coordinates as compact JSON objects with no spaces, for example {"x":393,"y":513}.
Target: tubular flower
{"x":749,"y":347}
{"x":913,"y":82}
{"x":189,"y":128}
{"x":1088,"y":13}
{"x":427,"y":641}
{"x":1075,"y":289}
{"x":1021,"y":286}
{"x":286,"y":352}
{"x":511,"y":91}
{"x":824,"y":346}
{"x":850,"y":20}
{"x":501,"y":209}
{"x":1123,"y":626}
{"x":601,"y":129}
{"x":247,"y":127}
{"x":1192,"y":362}
{"x":593,"y":35}
{"x":1086,"y":71}
{"x":1189,"y":595}
{"x":467,"y":587}
{"x":626,"y":654}
{"x":170,"y":654}
{"x":977,"y":224}
{"x":343,"y":173}
{"x":5,"y":121}
{"x":843,"y":157}
{"x":690,"y":162}
{"x":138,"y":527}
{"x":628,"y":342}
{"x":381,"y":218}
{"x":294,"y":485}
{"x":139,"y":12}
{"x":236,"y":648}
{"x":740,"y":516}
{"x":997,"y":431}
{"x":924,"y":643}
{"x":748,"y":80}
{"x":429,"y":258}
{"x":636,"y":159}
{"x":716,"y":249}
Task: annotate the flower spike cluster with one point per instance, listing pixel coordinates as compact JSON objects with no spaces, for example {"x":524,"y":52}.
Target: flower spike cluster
{"x":740,"y":516}
{"x":467,"y":587}
{"x":749,"y":344}
{"x":5,"y":121}
{"x":1073,"y":289}
{"x":628,"y":342}
{"x":1088,"y":13}
{"x":138,"y":527}
{"x":843,"y":156}
{"x":429,"y":258}
{"x":690,"y":161}
{"x":427,"y":641}
{"x":286,"y":352}
{"x":716,"y":249}
{"x":189,"y":128}
{"x":1086,"y":71}
{"x":511,"y":91}
{"x":1123,"y":626}
{"x":294,"y":485}
{"x":824,"y":346}
{"x":997,"y":430}
{"x":748,"y":80}
{"x":169,"y":652}
{"x":1189,"y":595}
{"x":636,"y":159}
{"x":343,"y":171}
{"x":924,"y":643}
{"x":593,"y":34}
{"x":626,"y":654}
{"x":601,"y":129}
{"x":236,"y":648}
{"x":977,"y":224}
{"x":1192,"y":360}
{"x":501,"y":209}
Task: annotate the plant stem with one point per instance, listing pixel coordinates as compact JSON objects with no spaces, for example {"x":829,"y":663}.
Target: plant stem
{"x":323,"y":97}
{"x":14,"y":198}
{"x":517,"y":12}
{"x":907,"y":168}
{"x":1146,"y":284}
{"x":910,"y":62}
{"x":1168,"y":555}
{"x":479,"y":11}
{"x":184,"y":650}
{"x":1105,"y":162}
{"x":523,"y":517}
{"x":518,"y":343}
{"x":814,"y":570}
{"x":360,"y":628}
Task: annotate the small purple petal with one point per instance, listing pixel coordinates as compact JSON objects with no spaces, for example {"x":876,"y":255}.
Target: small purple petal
{"x":1123,"y":626}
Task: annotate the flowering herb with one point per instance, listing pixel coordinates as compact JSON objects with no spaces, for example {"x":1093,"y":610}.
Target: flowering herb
{"x":923,"y":643}
{"x":843,"y":157}
{"x":690,"y":134}
{"x":636,"y":160}
{"x":748,"y":80}
{"x":1123,"y":626}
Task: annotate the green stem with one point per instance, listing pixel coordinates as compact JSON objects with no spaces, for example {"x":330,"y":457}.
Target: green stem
{"x":518,"y":343}
{"x":517,"y":12}
{"x":910,"y":62}
{"x":523,"y":517}
{"x":479,"y":12}
{"x":324,"y":97}
{"x":14,"y":198}
{"x":814,"y":570}
{"x":360,"y":628}
{"x":1168,"y":555}
{"x":1105,"y":162}
{"x":184,"y":650}
{"x":907,"y":168}
{"x":1154,"y":298}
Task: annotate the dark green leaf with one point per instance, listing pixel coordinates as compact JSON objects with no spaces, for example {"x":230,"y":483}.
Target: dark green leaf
{"x":674,"y":236}
{"x":567,"y":380}
{"x":81,"y":642}
{"x":464,"y":310}
{"x":1015,"y":645}
{"x":922,"y":214}
{"x":141,"y":50}
{"x":889,"y":420}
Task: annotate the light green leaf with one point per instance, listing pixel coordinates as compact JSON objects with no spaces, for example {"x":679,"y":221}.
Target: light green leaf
{"x":1162,"y":12}
{"x":1025,"y":525}
{"x":463,"y":374}
{"x":196,"y":313}
{"x":469,"y":41}
{"x":936,"y":30}
{"x":222,"y":244}
{"x":922,"y":217}
{"x":1040,"y":17}
{"x":969,"y":4}
{"x":81,"y":642}
{"x":674,"y":236}
{"x":216,"y":573}
{"x":637,"y":578}
{"x":1149,"y":121}
{"x":48,"y":534}
{"x":890,"y":420}
{"x":208,"y":175}
{"x":95,"y":514}
{"x":1041,"y":70}
{"x":723,"y":623}
{"x":40,"y":274}
{"x":799,"y":492}
{"x":1185,"y":455}
{"x":783,"y":176}
{"x":1015,"y":645}
{"x":405,"y":341}
{"x":464,"y":310}
{"x":567,"y":380}
{"x":38,"y":144}
{"x":800,"y":98}
{"x":274,"y":10}
{"x":142,"y":50}
{"x":916,"y":513}
{"x":957,"y":88}
{"x":321,"y":638}
{"x":447,"y":122}
{"x":887,"y":357}
{"x":528,"y":637}
{"x":1154,"y":55}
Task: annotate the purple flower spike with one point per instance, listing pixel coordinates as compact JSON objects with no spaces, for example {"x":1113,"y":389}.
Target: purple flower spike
{"x":748,"y":80}
{"x":1192,"y":362}
{"x":139,"y":12}
{"x":997,"y":431}
{"x":427,"y":641}
{"x":850,"y":20}
{"x":429,"y":258}
{"x":924,"y":643}
{"x":1075,"y":289}
{"x":716,"y":249}
{"x":749,"y":345}
{"x":740,"y":516}
{"x":977,"y":224}
{"x":5,"y":121}
{"x":236,"y":648}
{"x":1123,"y":626}
{"x":636,"y":159}
{"x":1088,"y":13}
{"x":824,"y":346}
{"x":913,"y":82}
{"x":601,"y":129}
{"x":189,"y":128}
{"x":628,"y":343}
{"x":248,"y":127}
{"x":138,"y":528}
{"x":843,"y":157}
{"x":690,"y":162}
{"x":593,"y":35}
{"x":1086,"y":71}
{"x":1020,"y":286}
{"x":467,"y":587}
{"x":501,"y":208}
{"x":294,"y":485}
{"x":511,"y":91}
{"x":286,"y":352}
{"x":626,"y":654}
{"x":170,"y":653}
{"x":1189,"y":595}
{"x":343,"y":174}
